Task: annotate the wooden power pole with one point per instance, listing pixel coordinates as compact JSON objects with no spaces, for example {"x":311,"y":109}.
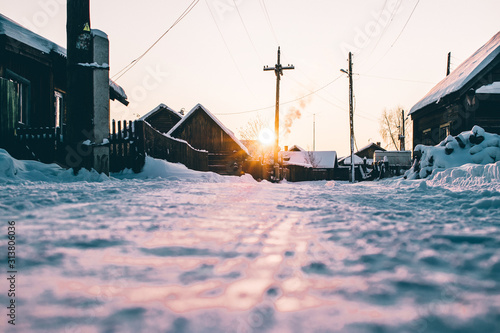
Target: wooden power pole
{"x":448,"y":66}
{"x":314,"y":132}
{"x":351,"y":114}
{"x":79,"y":84}
{"x":402,"y":135}
{"x":278,"y":70}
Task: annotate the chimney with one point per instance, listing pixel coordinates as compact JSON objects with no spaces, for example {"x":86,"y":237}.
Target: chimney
{"x":378,"y":144}
{"x":286,"y":148}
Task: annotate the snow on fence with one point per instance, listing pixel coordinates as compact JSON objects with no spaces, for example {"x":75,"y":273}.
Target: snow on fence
{"x":161,"y":146}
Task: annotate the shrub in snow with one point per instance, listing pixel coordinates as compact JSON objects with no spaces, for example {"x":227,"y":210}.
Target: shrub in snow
{"x":475,"y":146}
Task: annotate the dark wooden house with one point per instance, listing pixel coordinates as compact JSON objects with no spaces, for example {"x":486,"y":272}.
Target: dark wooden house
{"x":202,"y":130}
{"x":32,"y":83}
{"x":368,"y":150}
{"x":466,"y":97}
{"x":162,"y":118}
{"x":301,"y":165}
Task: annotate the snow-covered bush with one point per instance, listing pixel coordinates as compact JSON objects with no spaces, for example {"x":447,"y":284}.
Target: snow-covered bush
{"x":475,"y":146}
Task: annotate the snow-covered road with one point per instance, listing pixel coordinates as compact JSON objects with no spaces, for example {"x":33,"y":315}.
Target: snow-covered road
{"x":226,"y":254}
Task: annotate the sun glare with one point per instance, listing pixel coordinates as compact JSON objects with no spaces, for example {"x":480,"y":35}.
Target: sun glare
{"x":266,"y":137}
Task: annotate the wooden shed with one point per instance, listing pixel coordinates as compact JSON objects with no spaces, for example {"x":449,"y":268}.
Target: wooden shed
{"x":162,"y":118}
{"x":202,"y":130}
{"x":33,"y":84}
{"x":468,"y":96}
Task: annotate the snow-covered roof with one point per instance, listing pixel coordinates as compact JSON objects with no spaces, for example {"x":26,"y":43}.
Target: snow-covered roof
{"x":347,"y":160}
{"x":464,"y":74}
{"x":493,"y":88}
{"x":157,"y":109}
{"x":18,"y":32}
{"x":321,"y":159}
{"x":296,"y":148}
{"x":217,"y":121}
{"x":120,"y":94}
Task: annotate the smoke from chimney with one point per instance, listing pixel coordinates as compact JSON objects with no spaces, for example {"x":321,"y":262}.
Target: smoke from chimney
{"x":293,"y":114}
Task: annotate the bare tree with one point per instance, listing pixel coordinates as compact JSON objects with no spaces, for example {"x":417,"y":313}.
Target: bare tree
{"x":250,"y":133}
{"x":311,"y":158}
{"x":391,"y":127}
{"x":252,"y":129}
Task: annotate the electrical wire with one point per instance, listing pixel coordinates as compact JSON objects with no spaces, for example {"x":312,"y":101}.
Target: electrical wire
{"x":246,"y":30}
{"x":124,"y":70}
{"x":408,"y":20}
{"x":228,"y":49}
{"x":284,"y":103}
{"x":399,"y":35}
{"x":266,"y":13}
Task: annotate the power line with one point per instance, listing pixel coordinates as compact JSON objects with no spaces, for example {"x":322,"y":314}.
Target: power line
{"x":404,"y":27}
{"x":124,"y":70}
{"x":227,"y":48}
{"x":266,"y":13}
{"x":400,"y":33}
{"x":284,"y":103}
{"x":246,"y":30}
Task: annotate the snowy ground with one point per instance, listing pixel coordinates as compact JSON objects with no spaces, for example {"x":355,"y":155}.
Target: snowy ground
{"x":205,"y":253}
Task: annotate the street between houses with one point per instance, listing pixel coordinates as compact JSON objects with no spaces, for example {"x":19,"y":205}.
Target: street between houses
{"x":201,"y":252}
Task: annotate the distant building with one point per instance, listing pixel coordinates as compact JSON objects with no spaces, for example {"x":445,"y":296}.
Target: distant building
{"x":162,"y":118}
{"x":202,"y":130}
{"x":33,"y":83}
{"x":365,"y":152}
{"x":469,"y":96}
{"x":301,"y":165}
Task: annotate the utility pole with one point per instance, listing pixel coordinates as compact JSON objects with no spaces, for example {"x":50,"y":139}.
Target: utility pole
{"x":402,"y":134}
{"x":79,"y":84}
{"x":314,"y":132}
{"x":351,"y":115}
{"x":278,"y":70}
{"x":449,"y":64}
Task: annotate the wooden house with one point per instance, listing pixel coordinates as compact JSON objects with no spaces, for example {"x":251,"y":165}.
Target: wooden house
{"x":301,"y":165}
{"x":162,"y":118}
{"x":32,"y":83}
{"x":202,"y":130}
{"x":468,"y":96}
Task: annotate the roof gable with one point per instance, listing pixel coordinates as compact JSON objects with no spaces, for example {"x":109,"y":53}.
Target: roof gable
{"x":159,"y":108}
{"x":217,"y":121}
{"x":464,"y":75}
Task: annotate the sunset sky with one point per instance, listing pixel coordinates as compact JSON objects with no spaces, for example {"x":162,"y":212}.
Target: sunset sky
{"x":215,"y":56}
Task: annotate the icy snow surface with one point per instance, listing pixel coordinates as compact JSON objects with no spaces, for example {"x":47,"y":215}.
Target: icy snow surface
{"x":173,"y":250}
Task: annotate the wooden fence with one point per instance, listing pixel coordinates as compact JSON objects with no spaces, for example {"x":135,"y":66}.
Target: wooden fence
{"x":39,"y":143}
{"x":129,"y":143}
{"x":160,"y":146}
{"x":126,"y":146}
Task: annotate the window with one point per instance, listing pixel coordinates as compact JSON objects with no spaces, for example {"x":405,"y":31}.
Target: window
{"x":59,"y":108}
{"x":444,"y":131}
{"x":426,"y":137}
{"x":24,"y":91}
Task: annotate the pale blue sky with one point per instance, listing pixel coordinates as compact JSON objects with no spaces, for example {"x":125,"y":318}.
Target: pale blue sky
{"x":192,"y":64}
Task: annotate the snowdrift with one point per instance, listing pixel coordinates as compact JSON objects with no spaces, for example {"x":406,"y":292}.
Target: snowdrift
{"x":475,"y":147}
{"x":13,"y":170}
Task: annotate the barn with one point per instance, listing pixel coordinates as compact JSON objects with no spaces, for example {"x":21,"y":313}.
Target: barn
{"x":162,"y":118}
{"x":33,"y":86}
{"x":468,"y":96}
{"x":202,"y":130}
